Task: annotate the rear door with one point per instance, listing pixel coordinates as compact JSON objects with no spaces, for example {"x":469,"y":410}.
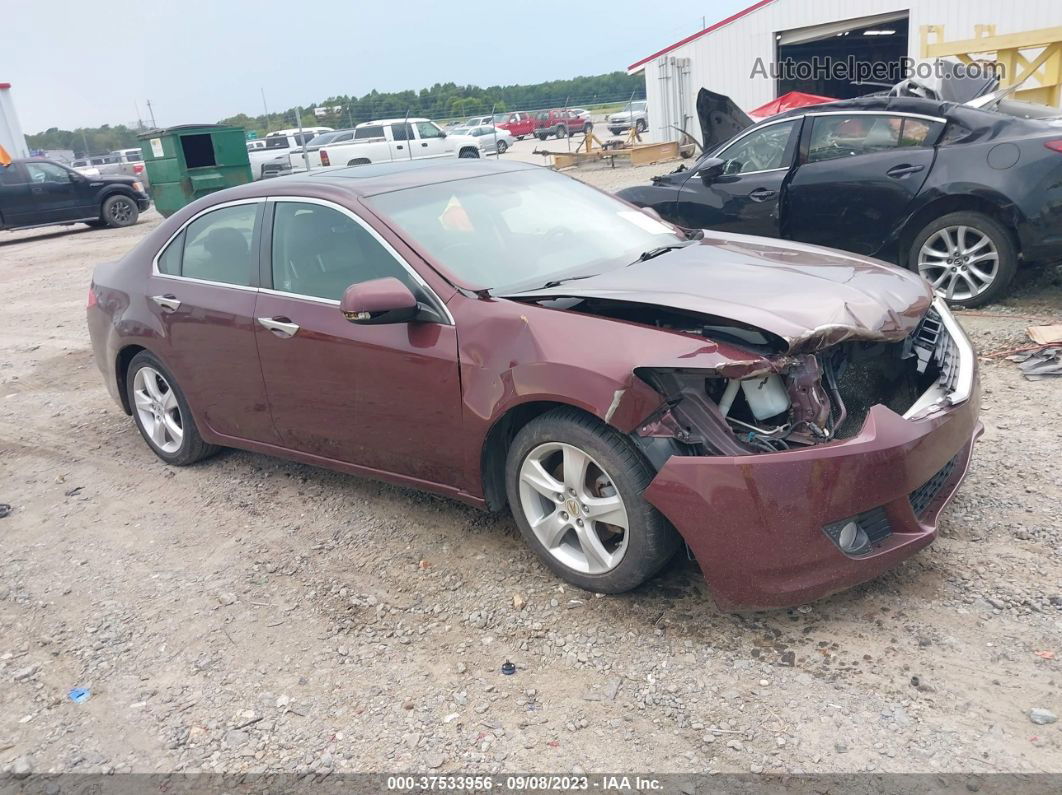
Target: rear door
{"x":202,"y":289}
{"x":746,"y":196}
{"x":16,"y":207}
{"x":858,"y":173}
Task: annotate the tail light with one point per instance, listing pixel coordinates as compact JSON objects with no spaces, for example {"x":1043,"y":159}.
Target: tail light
{"x":1055,"y":145}
{"x":138,"y":168}
{"x":324,"y":158}
{"x":91,"y":298}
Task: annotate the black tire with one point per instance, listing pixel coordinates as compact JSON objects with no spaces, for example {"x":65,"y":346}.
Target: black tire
{"x":988,"y":227}
{"x":651,"y":540}
{"x":469,"y":153}
{"x":588,"y":128}
{"x":561,"y":131}
{"x":119,"y":211}
{"x":640,"y":125}
{"x":541,"y":136}
{"x":614,"y":131}
{"x":520,"y":137}
{"x":502,"y":147}
{"x":192,"y":447}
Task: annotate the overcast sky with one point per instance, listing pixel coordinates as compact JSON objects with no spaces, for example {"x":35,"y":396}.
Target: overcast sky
{"x":70,"y":66}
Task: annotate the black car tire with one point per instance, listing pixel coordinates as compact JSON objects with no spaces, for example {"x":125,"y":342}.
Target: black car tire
{"x":541,"y":136}
{"x":192,"y":447}
{"x":469,"y":152}
{"x":986,"y":226}
{"x":119,"y":211}
{"x":640,"y":125}
{"x":561,"y":131}
{"x":588,"y":128}
{"x":651,"y":540}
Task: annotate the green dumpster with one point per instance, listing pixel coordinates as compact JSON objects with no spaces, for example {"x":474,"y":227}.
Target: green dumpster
{"x":192,"y":160}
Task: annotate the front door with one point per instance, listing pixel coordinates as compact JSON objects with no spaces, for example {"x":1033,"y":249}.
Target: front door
{"x":746,"y":196}
{"x":16,"y":206}
{"x":203,"y":294}
{"x":402,"y":141}
{"x":385,"y":397}
{"x":857,"y":178}
{"x":54,"y":193}
{"x":431,"y":142}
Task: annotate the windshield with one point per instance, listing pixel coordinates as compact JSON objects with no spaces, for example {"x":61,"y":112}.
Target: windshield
{"x":522,"y":229}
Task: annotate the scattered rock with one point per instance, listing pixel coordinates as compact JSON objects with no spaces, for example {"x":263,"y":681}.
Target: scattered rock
{"x":226,"y":599}
{"x":1042,"y":717}
{"x":26,"y":673}
{"x":22,"y":767}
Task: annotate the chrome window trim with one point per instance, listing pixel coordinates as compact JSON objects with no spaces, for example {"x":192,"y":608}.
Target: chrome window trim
{"x":877,"y":113}
{"x":440,"y":304}
{"x":284,"y":294}
{"x":155,"y":260}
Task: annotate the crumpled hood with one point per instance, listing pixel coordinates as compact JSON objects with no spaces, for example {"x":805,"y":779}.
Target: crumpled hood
{"x":811,"y":297}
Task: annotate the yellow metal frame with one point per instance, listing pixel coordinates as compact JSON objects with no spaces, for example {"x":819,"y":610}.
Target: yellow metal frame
{"x":1034,"y":53}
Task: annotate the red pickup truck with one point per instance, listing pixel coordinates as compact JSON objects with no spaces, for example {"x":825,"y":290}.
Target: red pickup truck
{"x":561,"y":123}
{"x":519,"y":124}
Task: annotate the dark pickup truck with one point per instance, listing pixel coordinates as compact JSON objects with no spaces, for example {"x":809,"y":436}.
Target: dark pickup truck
{"x":42,"y":193}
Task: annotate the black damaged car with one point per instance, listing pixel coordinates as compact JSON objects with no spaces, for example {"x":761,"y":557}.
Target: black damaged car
{"x":37,"y":192}
{"x":956,"y":193}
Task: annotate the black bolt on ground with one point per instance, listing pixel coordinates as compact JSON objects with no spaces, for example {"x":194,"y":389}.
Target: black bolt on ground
{"x":508,"y":668}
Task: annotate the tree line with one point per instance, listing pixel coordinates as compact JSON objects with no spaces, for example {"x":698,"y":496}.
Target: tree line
{"x":441,"y":101}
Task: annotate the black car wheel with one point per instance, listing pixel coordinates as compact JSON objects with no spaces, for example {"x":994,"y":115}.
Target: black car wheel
{"x":575,"y":489}
{"x":541,"y":136}
{"x":162,"y":414}
{"x":502,"y":147}
{"x":640,"y":125}
{"x":561,"y":131}
{"x":469,"y":152}
{"x":119,"y":211}
{"x":968,"y":258}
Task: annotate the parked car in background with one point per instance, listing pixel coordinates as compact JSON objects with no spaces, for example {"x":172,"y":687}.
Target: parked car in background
{"x":312,"y":148}
{"x":132,"y":163}
{"x":257,"y":143}
{"x":491,"y":139}
{"x":95,"y":165}
{"x":384,"y":140}
{"x":634,"y":114}
{"x":520,"y":123}
{"x":559,"y":123}
{"x":272,"y":159}
{"x":476,"y":121}
{"x":955,"y":193}
{"x":798,"y":416}
{"x":42,"y":192}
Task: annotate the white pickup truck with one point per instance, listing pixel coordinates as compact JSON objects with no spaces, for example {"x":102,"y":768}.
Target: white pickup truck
{"x":397,"y":139}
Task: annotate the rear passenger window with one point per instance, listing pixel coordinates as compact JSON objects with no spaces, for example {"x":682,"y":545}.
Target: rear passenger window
{"x":170,"y":259}
{"x":217,"y":246}
{"x":320,"y":252}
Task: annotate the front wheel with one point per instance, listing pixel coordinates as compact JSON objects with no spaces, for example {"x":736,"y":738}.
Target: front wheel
{"x":562,"y":131}
{"x":575,"y":489}
{"x":967,"y":257}
{"x":471,"y":153}
{"x":161,"y":413}
{"x":502,"y":147}
{"x":640,"y":125}
{"x":119,"y":211}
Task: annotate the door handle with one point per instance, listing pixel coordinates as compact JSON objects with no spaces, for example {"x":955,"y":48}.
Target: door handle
{"x":399,"y":147}
{"x":280,"y":326}
{"x":424,"y":143}
{"x":903,"y":170}
{"x":762,"y":194}
{"x":168,"y":302}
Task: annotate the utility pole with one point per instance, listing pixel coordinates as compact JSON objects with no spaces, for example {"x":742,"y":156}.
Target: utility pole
{"x":265,"y":107}
{"x":302,"y":140}
{"x":139,"y":118}
{"x":151,"y":113}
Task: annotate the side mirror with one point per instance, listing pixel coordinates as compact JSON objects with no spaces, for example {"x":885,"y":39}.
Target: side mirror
{"x":710,"y":169}
{"x":379,"y":301}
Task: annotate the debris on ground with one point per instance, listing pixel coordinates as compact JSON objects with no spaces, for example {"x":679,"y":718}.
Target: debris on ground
{"x":79,"y":695}
{"x":1039,"y":364}
{"x":1042,"y":717}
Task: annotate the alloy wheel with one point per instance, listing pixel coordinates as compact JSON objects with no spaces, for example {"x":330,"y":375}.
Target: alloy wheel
{"x":158,"y":410}
{"x":122,"y":211}
{"x":573,"y":508}
{"x":960,"y":262}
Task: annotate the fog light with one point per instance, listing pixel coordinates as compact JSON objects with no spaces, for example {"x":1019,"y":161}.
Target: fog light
{"x":852,"y":539}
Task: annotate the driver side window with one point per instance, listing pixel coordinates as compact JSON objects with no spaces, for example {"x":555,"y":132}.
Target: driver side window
{"x":761,"y":150}
{"x":48,"y":172}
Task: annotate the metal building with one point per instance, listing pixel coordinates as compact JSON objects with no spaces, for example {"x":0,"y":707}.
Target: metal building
{"x":11,"y":136}
{"x":773,"y":46}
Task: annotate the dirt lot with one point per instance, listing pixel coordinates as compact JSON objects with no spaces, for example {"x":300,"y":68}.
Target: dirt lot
{"x":251,"y":614}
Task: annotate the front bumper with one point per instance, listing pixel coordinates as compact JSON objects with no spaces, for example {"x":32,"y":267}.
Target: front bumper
{"x":755,"y":523}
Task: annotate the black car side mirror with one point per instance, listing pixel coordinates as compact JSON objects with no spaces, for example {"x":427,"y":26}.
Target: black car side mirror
{"x":711,"y":169}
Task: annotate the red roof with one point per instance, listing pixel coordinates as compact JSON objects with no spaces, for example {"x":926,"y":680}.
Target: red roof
{"x":699,"y":33}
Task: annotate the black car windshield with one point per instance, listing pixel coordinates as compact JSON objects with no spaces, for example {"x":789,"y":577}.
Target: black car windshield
{"x":522,"y":229}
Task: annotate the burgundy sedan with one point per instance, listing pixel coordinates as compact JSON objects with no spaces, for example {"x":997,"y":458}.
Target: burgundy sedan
{"x":505,"y":335}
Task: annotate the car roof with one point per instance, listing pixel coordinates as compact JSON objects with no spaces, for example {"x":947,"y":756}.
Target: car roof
{"x":370,"y":180}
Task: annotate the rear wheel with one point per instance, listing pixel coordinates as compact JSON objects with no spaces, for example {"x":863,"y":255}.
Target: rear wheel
{"x":575,"y":489}
{"x":469,"y":152}
{"x":119,"y":211}
{"x":561,"y":131}
{"x":502,"y":147}
{"x":969,"y":258}
{"x":161,"y":413}
{"x":640,"y":125}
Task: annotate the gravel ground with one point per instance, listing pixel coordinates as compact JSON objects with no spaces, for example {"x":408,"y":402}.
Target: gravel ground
{"x":253,"y":614}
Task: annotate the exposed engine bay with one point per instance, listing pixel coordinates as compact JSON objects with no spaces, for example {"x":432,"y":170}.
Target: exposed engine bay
{"x":793,"y":401}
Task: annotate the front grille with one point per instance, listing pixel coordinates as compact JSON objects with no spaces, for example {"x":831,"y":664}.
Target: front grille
{"x":922,"y":497}
{"x":932,"y":344}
